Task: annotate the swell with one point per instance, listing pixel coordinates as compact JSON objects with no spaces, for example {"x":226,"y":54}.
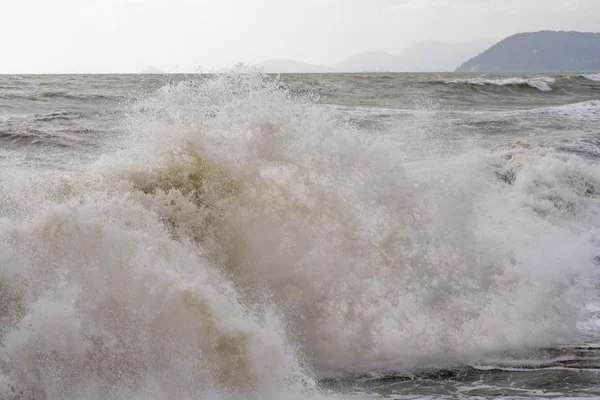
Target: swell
{"x":58,"y":115}
{"x":61,"y":95}
{"x":31,"y":137}
{"x":61,"y":129}
{"x":591,"y":77}
{"x":543,"y":84}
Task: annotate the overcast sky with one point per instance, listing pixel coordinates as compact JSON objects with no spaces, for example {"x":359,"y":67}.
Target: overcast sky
{"x":56,"y":36}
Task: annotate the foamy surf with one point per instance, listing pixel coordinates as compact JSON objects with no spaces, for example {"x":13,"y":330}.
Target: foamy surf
{"x":543,"y":84}
{"x":584,"y":111}
{"x":241,"y":241}
{"x":592,"y":77}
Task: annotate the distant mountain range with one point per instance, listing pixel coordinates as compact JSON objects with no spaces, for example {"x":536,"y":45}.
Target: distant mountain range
{"x":369,"y":61}
{"x":545,"y":51}
{"x":284,"y":66}
{"x":421,"y":57}
{"x":151,"y":70}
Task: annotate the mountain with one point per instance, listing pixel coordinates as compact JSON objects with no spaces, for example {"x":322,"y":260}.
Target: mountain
{"x":284,"y":66}
{"x":151,"y":70}
{"x":369,"y":61}
{"x":422,"y":57}
{"x":441,"y":57}
{"x":544,"y":51}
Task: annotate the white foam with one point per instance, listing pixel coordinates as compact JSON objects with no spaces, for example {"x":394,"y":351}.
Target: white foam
{"x":586,"y":110}
{"x":541,"y":83}
{"x":592,"y":77}
{"x":581,"y":117}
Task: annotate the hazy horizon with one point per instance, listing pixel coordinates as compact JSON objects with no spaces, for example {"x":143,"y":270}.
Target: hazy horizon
{"x":90,"y":36}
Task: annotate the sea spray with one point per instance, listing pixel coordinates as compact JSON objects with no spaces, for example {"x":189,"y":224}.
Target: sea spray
{"x":240,"y":241}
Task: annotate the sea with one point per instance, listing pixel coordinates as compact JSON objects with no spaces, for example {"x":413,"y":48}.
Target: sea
{"x":324,"y":236}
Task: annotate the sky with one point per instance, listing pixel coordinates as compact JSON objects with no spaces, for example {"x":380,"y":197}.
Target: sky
{"x":104,"y":36}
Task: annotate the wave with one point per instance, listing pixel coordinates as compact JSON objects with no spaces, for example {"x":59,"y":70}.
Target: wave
{"x":57,"y":115}
{"x":542,"y":83}
{"x":589,"y":108}
{"x":592,"y":77}
{"x":240,"y":242}
{"x":64,"y":95}
{"x":54,"y":130}
{"x":554,"y":183}
{"x":582,"y":111}
{"x":32,"y":137}
{"x":581,"y":116}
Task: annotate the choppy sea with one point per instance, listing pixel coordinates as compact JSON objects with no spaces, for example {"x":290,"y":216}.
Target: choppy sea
{"x":349,"y":236}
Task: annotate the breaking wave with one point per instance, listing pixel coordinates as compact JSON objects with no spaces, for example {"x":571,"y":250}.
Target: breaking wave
{"x":543,"y":84}
{"x":592,"y":77}
{"x":582,"y":112}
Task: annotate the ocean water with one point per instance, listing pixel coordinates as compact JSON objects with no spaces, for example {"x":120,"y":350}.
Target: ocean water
{"x":352,"y":236}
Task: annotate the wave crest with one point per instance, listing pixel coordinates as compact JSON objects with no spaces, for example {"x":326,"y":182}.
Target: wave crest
{"x":592,"y":77}
{"x":542,"y":83}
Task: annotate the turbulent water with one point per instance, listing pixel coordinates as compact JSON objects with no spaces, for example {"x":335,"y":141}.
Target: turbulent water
{"x":244,"y":236}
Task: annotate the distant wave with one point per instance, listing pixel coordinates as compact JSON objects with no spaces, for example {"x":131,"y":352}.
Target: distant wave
{"x":541,"y":83}
{"x":10,"y":138}
{"x":58,"y":115}
{"x":50,"y":95}
{"x":583,"y":110}
{"x":592,"y":77}
{"x":574,"y":113}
